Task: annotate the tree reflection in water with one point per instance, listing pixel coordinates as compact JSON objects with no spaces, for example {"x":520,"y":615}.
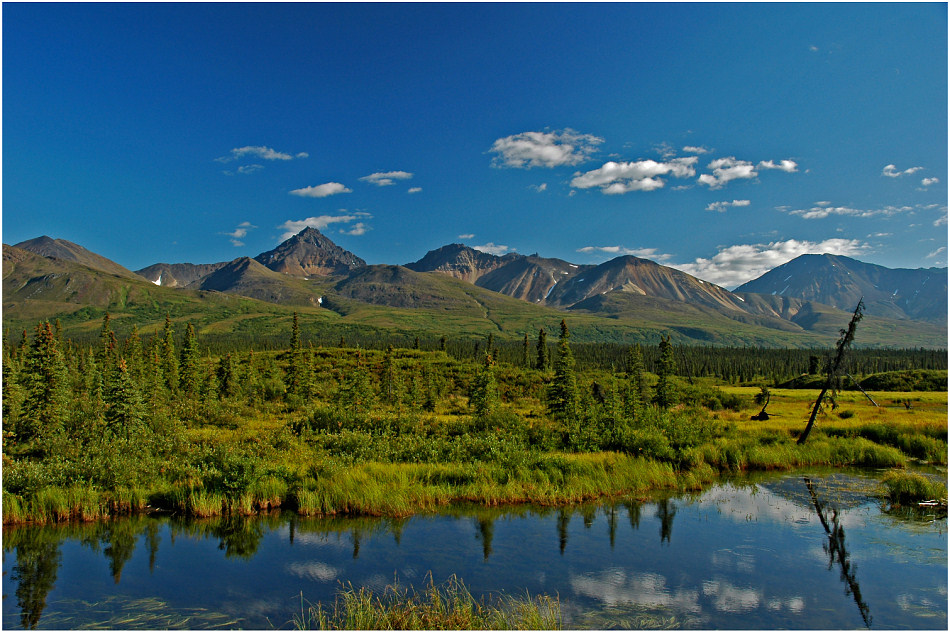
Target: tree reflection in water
{"x":665,"y":511}
{"x":837,"y":553}
{"x":37,"y":564}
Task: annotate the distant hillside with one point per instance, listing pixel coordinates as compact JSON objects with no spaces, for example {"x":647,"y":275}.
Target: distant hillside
{"x":310,"y":253}
{"x":246,"y":277}
{"x":840,"y":282}
{"x":177,"y":275}
{"x":61,"y":249}
{"x":624,"y":299}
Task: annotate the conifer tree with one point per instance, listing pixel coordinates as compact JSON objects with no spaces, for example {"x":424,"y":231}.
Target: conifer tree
{"x":47,"y":393}
{"x":525,"y":346}
{"x":298,"y":371}
{"x":484,"y":395}
{"x":542,"y":361}
{"x":227,"y":377}
{"x":562,"y":394}
{"x":169,"y":357}
{"x":389,"y":379}
{"x":12,"y":392}
{"x":635,"y":383}
{"x":124,"y":409}
{"x":356,"y":393}
{"x":191,"y":374}
{"x":664,"y":395}
{"x":134,"y":356}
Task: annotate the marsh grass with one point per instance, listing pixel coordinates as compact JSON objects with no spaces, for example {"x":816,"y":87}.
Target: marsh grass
{"x":125,"y":613}
{"x":903,"y":488}
{"x":449,"y":606}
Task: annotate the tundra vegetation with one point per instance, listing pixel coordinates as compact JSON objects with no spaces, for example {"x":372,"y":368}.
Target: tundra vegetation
{"x":127,"y":425}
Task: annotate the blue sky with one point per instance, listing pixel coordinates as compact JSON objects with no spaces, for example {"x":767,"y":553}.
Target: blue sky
{"x":719,"y":139}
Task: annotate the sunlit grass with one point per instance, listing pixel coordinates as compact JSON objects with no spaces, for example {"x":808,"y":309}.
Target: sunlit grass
{"x":450,"y":606}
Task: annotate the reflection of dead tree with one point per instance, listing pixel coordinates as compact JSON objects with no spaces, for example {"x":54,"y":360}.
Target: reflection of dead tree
{"x":847,"y":336}
{"x":836,"y":551}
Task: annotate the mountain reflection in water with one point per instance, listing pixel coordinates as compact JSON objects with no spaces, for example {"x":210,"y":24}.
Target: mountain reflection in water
{"x":743,"y":555}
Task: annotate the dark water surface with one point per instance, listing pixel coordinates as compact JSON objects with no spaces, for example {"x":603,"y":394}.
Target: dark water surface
{"x":789,"y":551}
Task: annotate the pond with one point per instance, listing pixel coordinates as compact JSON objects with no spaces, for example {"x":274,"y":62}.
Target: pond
{"x":800,"y":551}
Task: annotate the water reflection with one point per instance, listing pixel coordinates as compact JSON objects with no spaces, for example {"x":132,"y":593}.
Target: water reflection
{"x":838,"y":553}
{"x":742,"y":560}
{"x":37,"y":564}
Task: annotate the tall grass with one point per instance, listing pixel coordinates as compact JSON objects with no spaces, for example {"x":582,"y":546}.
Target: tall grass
{"x":904,"y":488}
{"x":450,"y":606}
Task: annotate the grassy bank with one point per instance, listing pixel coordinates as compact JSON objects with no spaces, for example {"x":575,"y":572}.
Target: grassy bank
{"x":395,"y":465}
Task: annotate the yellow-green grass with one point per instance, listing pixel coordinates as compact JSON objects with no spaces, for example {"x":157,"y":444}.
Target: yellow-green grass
{"x":450,"y":606}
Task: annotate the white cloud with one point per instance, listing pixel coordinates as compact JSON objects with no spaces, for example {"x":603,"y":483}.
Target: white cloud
{"x":722,"y":206}
{"x":646,"y":253}
{"x":415,"y":189}
{"x":926,"y":182}
{"x":735,"y":265}
{"x":725,"y":170}
{"x":238,"y":234}
{"x":360,"y":228}
{"x":249,"y":169}
{"x":264,"y":153}
{"x":823,"y":210}
{"x":466,"y":236}
{"x":942,"y":220}
{"x":544,"y":149}
{"x":891,"y":171}
{"x":493,"y":249}
{"x":320,"y":222}
{"x":933,"y":254}
{"x":786,"y":165}
{"x":693,"y":149}
{"x":641,"y":175}
{"x":539,"y":188}
{"x":321,"y":191}
{"x":385,"y":178}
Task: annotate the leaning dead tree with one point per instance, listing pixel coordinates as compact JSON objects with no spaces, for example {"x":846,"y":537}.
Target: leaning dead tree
{"x":847,"y":336}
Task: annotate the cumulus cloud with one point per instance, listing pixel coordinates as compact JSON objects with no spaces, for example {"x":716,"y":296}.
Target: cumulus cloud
{"x":493,"y":249}
{"x":641,"y":175}
{"x":466,"y":236}
{"x":321,"y":222}
{"x":249,"y":169}
{"x":722,"y":206}
{"x":693,"y":149}
{"x":646,"y":253}
{"x":725,"y":170}
{"x":891,"y":171}
{"x":415,"y":189}
{"x":824,"y":209}
{"x":239,"y":233}
{"x":786,"y":165}
{"x":544,"y":149}
{"x":384,"y":178}
{"x":926,"y":182}
{"x":737,"y":264}
{"x":321,"y":191}
{"x":539,"y":188}
{"x":360,"y":228}
{"x":259,"y":151}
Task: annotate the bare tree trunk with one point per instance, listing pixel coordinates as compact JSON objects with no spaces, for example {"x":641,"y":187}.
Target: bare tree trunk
{"x":847,"y":336}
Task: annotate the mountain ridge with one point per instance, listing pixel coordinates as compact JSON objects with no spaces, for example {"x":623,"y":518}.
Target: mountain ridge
{"x":309,"y":270}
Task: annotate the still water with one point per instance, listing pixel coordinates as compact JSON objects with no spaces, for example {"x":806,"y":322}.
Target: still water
{"x":802,"y":551}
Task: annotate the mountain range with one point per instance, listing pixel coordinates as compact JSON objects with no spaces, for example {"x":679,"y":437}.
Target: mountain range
{"x":801,"y":303}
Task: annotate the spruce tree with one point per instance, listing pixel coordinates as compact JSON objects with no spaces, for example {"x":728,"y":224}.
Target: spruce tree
{"x":525,"y":347}
{"x":191,"y":374}
{"x":664,"y":395}
{"x":562,"y":393}
{"x":124,"y":410}
{"x":47,"y":392}
{"x":169,"y":357}
{"x":484,"y":394}
{"x":635,"y":383}
{"x":542,"y":361}
{"x":389,"y":379}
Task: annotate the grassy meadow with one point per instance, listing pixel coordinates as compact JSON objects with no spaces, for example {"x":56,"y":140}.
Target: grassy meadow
{"x":141,"y":427}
